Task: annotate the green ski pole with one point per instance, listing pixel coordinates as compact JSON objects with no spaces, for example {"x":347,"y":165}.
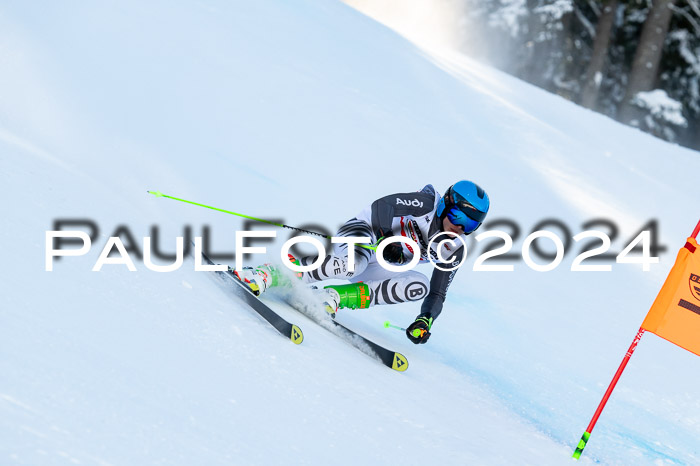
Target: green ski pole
{"x":281,"y":225}
{"x":388,"y":324}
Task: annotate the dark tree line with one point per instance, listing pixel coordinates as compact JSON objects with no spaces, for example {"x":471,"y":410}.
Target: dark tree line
{"x":637,"y":61}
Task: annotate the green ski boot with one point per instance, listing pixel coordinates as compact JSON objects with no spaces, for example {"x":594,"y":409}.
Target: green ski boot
{"x":350,"y":296}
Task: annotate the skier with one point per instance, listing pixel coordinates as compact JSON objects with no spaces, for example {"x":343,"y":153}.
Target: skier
{"x":423,"y":216}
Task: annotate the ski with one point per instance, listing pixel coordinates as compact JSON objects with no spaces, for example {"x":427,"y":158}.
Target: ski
{"x":391,"y":359}
{"x":287,"y":329}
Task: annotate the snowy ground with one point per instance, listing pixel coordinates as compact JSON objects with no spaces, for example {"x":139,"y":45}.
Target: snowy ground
{"x":305,"y":112}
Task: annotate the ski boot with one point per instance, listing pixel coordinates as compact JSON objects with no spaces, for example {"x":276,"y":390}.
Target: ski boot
{"x":350,"y":296}
{"x":261,"y":278}
{"x":257,"y":280}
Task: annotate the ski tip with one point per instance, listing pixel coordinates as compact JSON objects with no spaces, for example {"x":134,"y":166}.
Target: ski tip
{"x":297,"y":336}
{"x":155,"y":193}
{"x":400,"y":362}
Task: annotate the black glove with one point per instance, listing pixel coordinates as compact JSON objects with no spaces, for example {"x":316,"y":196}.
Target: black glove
{"x":419,"y":330}
{"x":393,"y":253}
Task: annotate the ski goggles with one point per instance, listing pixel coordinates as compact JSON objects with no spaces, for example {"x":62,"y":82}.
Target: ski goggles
{"x":461,"y":219}
{"x":463,"y":214}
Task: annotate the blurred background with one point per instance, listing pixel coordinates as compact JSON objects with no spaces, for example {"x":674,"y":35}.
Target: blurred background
{"x":635,"y":61}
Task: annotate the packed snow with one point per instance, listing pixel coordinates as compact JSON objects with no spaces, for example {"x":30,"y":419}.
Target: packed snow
{"x":304,"y":112}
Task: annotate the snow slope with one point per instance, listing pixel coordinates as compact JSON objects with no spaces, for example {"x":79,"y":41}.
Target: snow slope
{"x":305,"y":112}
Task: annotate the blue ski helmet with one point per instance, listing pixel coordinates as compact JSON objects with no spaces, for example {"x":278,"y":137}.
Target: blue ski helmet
{"x":465,"y":204}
